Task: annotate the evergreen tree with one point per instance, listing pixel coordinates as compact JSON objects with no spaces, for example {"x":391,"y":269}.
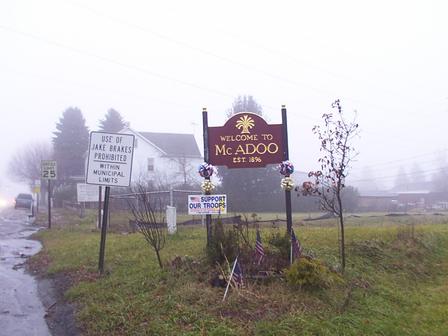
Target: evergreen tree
{"x":254,"y":189}
{"x":402,"y":180}
{"x":70,"y":144}
{"x":245,"y":104}
{"x":439,"y":181}
{"x":418,"y":179}
{"x":112,"y":122}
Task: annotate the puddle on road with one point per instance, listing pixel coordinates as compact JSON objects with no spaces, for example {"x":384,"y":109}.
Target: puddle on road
{"x":20,"y":308}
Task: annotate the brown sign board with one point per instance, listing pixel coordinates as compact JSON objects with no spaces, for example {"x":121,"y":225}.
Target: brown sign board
{"x":245,"y":141}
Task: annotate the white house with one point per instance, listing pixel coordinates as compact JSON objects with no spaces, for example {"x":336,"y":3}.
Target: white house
{"x":166,"y":159}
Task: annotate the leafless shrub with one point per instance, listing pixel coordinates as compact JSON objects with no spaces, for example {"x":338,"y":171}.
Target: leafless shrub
{"x":149,"y":215}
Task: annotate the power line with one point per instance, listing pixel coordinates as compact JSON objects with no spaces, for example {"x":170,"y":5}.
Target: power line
{"x":423,"y":173}
{"x":115,"y":62}
{"x":194,"y":48}
{"x":70,"y":81}
{"x":124,"y":65}
{"x":128,"y":66}
{"x":152,"y":73}
{"x":174,"y":41}
{"x":202,"y":51}
{"x":399,"y":162}
{"x":226,"y":59}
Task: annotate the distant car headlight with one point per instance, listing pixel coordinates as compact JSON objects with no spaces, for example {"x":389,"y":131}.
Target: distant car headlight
{"x":4,"y":202}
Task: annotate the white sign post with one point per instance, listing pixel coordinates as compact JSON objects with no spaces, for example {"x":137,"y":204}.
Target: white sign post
{"x":171,"y":219}
{"x":110,"y":164}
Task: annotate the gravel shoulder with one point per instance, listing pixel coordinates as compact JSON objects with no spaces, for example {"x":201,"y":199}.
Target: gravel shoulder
{"x":60,"y":314}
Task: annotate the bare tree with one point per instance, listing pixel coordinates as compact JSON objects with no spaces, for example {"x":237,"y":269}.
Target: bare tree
{"x":149,"y":216}
{"x":335,"y":136}
{"x":25,"y":165}
{"x":186,"y":169}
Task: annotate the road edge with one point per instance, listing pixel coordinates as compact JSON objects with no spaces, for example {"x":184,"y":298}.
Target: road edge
{"x":59,"y":312}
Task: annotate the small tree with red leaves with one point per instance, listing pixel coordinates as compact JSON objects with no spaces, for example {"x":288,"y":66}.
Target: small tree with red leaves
{"x":336,"y":135}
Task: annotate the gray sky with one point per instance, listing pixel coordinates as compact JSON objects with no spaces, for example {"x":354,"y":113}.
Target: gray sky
{"x":159,"y":62}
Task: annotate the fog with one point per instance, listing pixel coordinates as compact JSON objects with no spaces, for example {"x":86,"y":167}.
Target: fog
{"x":159,"y":63}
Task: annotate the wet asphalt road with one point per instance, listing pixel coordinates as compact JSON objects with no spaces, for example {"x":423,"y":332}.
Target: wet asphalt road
{"x":21,"y":311}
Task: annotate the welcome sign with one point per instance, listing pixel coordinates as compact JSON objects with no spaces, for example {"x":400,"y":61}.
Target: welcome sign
{"x":245,"y":141}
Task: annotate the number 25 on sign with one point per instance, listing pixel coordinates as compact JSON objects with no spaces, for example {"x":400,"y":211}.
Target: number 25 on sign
{"x":48,"y":170}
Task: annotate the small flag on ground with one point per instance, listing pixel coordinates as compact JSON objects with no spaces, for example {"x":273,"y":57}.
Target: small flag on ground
{"x":296,"y":248}
{"x":259,"y":250}
{"x":237,"y":275}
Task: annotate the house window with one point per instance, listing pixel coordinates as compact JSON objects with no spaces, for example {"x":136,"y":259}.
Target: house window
{"x":150,"y":164}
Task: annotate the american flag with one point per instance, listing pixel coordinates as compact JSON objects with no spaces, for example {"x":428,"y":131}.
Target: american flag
{"x":195,"y":198}
{"x":237,"y":275}
{"x":296,"y":248}
{"x":259,"y":250}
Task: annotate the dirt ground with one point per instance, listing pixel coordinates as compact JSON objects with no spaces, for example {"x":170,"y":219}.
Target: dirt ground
{"x":59,"y":312}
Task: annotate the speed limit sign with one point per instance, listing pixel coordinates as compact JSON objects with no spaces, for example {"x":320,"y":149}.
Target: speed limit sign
{"x":48,"y":170}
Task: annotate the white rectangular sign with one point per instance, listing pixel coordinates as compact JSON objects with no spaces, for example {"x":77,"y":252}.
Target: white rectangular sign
{"x":48,"y":169}
{"x":110,"y":159}
{"x":207,"y":204}
{"x":88,"y":192}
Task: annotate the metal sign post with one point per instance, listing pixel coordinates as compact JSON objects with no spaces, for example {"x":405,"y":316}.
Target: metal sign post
{"x":104,"y":231}
{"x":100,"y":200}
{"x":109,"y":163}
{"x":49,"y":204}
{"x":48,"y":171}
{"x":208,"y":217}
{"x":285,"y":158}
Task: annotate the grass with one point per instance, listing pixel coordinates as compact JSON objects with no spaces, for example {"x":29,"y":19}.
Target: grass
{"x":395,"y":282}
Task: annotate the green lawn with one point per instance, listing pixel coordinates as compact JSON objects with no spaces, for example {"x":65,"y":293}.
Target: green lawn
{"x":395,"y":282}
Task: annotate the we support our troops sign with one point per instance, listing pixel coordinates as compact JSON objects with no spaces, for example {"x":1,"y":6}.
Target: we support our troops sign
{"x":245,"y":141}
{"x":110,"y":159}
{"x":207,"y":204}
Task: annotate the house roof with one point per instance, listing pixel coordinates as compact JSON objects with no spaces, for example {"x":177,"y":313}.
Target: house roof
{"x":377,"y":194}
{"x":413,"y":192}
{"x":174,"y":144}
